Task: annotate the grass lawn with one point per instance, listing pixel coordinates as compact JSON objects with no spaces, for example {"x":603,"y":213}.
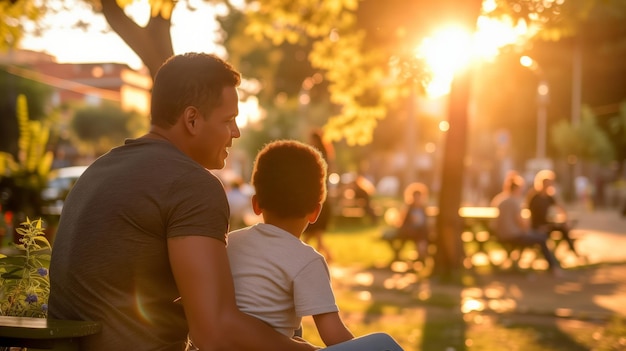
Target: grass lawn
{"x":400,"y":306}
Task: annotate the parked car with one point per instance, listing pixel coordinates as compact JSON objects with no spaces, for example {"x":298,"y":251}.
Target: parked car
{"x":60,"y":181}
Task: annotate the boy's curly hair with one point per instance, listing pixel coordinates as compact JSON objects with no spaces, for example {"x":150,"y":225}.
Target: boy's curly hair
{"x":289,"y":178}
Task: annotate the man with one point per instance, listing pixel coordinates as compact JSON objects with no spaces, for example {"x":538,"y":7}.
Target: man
{"x":510,"y":176}
{"x":541,"y":202}
{"x":146,"y":223}
{"x":513,"y":229}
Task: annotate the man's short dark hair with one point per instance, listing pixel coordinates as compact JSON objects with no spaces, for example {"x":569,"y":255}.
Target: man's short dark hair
{"x":289,"y":178}
{"x":191,"y":79}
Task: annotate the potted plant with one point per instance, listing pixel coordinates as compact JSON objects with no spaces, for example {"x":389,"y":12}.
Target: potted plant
{"x":24,"y":280}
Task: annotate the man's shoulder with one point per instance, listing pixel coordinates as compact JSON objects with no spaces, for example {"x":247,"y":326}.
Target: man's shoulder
{"x":504,"y":201}
{"x":495,"y":202}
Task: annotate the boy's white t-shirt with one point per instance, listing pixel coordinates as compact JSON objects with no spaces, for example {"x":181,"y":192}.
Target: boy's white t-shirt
{"x":278,"y":278}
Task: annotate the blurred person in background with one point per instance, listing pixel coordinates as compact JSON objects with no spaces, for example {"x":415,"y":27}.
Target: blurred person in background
{"x":547,"y":214}
{"x":315,"y":231}
{"x":363,"y":192}
{"x":239,"y":203}
{"x":506,"y":183}
{"x":512,"y":228}
{"x":414,"y":224}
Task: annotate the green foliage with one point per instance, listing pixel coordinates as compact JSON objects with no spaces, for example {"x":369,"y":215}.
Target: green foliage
{"x":25,"y":285}
{"x":336,"y":38}
{"x":14,"y":17}
{"x":587,"y":140}
{"x":365,"y":48}
{"x":617,"y":124}
{"x":99,"y":128}
{"x":280,"y":123}
{"x":33,"y":163}
{"x":12,"y":84}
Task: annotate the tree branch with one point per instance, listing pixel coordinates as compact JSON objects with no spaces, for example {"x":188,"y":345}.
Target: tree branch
{"x":153,"y":44}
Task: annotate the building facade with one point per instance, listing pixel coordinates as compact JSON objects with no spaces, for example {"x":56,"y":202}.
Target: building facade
{"x":90,"y":83}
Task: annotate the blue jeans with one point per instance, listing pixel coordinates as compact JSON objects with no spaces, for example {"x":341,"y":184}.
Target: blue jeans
{"x":369,"y":342}
{"x":531,"y":238}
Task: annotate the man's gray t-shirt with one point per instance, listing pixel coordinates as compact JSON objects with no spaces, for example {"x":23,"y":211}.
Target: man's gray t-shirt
{"x":507,"y":226}
{"x":109,"y":258}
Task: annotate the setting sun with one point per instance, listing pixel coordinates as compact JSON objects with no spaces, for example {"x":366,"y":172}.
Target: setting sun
{"x":445,"y":52}
{"x":452,"y":47}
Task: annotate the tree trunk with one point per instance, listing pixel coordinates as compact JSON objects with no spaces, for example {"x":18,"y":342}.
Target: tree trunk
{"x":152,"y":43}
{"x":450,"y":253}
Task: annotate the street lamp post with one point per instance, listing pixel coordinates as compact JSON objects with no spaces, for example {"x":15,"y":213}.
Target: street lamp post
{"x":543,"y":97}
{"x":542,"y":104}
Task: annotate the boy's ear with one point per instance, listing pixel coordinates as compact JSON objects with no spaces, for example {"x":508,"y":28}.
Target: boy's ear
{"x":312,"y":217}
{"x":255,"y":205}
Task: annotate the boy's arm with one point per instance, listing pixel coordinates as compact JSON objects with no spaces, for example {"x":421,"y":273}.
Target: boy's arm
{"x":202,"y":272}
{"x":331,"y":328}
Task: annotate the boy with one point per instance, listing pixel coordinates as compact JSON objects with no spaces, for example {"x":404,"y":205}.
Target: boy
{"x":278,"y":278}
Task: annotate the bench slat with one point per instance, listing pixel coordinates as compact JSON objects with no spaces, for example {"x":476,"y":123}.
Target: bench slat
{"x":44,"y":333}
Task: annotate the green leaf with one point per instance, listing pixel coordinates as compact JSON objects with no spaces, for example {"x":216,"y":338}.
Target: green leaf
{"x":13,"y":261}
{"x":12,"y":274}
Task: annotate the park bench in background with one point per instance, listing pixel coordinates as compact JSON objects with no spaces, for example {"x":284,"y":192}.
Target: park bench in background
{"x":397,"y":242}
{"x":477,"y":236}
{"x":44,"y":334}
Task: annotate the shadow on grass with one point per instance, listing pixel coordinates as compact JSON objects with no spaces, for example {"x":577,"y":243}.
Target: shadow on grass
{"x":492,"y":309}
{"x":430,"y":316}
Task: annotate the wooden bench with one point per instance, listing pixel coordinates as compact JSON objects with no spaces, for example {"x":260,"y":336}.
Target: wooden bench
{"x":44,"y":334}
{"x":397,"y":242}
{"x":477,"y":232}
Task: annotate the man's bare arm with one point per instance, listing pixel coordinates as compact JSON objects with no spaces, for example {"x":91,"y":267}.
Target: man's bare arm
{"x":202,"y":272}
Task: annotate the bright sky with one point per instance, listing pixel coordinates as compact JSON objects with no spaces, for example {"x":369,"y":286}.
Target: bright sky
{"x":191,"y":31}
{"x":446,"y":50}
{"x":197,"y":31}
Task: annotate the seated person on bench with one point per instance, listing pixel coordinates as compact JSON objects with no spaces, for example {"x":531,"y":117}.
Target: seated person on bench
{"x":414,"y":219}
{"x":511,"y":228}
{"x":541,"y":201}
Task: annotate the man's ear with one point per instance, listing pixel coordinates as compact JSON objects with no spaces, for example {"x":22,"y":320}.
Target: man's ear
{"x":190,"y":117}
{"x":255,"y":205}
{"x":312,"y":217}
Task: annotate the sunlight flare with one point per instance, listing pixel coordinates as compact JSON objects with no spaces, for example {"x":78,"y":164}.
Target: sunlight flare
{"x":452,"y":47}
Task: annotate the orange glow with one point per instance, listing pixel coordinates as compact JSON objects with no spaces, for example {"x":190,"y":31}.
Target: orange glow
{"x":526,"y":61}
{"x":444,"y":126}
{"x":452,"y":47}
{"x":445,"y":52}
